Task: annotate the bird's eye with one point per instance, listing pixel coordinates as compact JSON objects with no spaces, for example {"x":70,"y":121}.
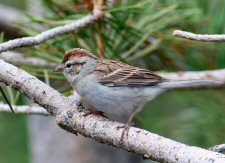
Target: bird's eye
{"x":68,"y":65}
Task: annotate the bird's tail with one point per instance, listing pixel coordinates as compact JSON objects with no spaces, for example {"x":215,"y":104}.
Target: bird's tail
{"x":180,"y":84}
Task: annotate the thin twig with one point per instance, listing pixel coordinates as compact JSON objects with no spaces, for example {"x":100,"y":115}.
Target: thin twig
{"x":25,"y":109}
{"x":218,"y":148}
{"x":215,"y":77}
{"x":144,"y":143}
{"x":34,"y":109}
{"x":198,"y":37}
{"x":18,"y":59}
{"x":48,"y":34}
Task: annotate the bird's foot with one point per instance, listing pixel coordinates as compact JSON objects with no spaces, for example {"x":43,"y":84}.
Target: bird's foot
{"x":125,"y":132}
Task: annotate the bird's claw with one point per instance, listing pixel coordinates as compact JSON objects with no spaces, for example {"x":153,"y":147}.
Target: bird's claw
{"x":125,"y":132}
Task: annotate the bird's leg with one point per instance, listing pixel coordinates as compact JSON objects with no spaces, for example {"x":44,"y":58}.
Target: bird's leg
{"x":127,"y":126}
{"x":95,"y":113}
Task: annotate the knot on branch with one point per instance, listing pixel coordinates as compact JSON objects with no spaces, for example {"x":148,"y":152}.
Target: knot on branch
{"x":62,"y":120}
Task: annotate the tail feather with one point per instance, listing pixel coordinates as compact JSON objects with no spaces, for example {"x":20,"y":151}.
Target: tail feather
{"x":179,"y":84}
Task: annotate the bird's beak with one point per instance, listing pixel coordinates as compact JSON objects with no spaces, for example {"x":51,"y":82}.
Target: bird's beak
{"x":59,"y":68}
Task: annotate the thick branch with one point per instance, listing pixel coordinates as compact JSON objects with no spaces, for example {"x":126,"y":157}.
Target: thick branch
{"x":24,"y":109}
{"x":46,"y":35}
{"x":142,"y":142}
{"x":32,"y":87}
{"x":198,"y":37}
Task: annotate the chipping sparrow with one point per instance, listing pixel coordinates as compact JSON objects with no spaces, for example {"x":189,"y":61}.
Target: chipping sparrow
{"x":113,"y":87}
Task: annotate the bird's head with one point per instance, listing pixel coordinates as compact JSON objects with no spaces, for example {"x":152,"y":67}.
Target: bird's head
{"x":76,"y":63}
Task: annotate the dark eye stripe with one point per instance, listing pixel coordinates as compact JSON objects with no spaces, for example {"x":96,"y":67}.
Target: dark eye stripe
{"x":80,"y":63}
{"x":69,"y":65}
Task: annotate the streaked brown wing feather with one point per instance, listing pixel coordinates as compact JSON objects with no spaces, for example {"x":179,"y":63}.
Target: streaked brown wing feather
{"x":120,"y":74}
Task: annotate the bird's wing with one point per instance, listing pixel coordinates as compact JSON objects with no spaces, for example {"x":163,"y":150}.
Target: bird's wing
{"x":119,"y":74}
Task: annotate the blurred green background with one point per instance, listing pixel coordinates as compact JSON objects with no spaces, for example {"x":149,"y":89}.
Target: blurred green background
{"x":138,"y":33}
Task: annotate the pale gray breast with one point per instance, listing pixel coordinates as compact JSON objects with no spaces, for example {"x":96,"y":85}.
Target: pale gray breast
{"x":114,"y":101}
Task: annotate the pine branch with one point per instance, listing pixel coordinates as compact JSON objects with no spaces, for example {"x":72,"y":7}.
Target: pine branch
{"x":60,"y":30}
{"x":199,"y":37}
{"x":25,"y":109}
{"x":18,"y":59}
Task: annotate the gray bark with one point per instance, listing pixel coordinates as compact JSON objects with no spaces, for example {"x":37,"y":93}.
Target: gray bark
{"x":49,"y":143}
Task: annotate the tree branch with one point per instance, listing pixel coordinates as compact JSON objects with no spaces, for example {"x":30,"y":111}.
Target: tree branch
{"x":48,"y":34}
{"x":198,"y":37}
{"x":218,"y":76}
{"x":32,"y":87}
{"x":69,"y":117}
{"x":33,"y":109}
{"x":25,"y":109}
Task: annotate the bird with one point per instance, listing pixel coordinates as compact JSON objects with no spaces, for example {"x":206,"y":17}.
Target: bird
{"x":112,"y":87}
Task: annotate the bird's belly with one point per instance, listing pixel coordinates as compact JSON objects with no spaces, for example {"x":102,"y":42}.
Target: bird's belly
{"x":115,"y":102}
{"x":110,"y":103}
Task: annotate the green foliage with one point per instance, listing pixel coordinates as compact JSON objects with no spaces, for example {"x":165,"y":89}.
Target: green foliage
{"x":138,"y":33}
{"x":21,"y":4}
{"x":13,"y":139}
{"x":193,"y":117}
